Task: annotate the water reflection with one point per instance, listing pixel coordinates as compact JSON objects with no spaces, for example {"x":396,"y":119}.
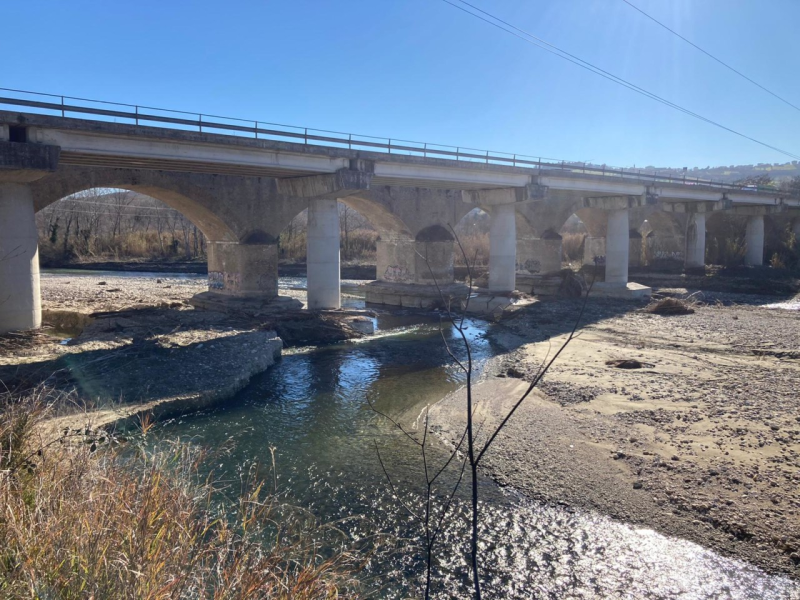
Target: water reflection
{"x":313,"y":408}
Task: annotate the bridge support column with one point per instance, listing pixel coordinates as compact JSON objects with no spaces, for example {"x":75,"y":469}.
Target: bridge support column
{"x":20,"y":300}
{"x":503,"y":249}
{"x":754,"y":239}
{"x":324,"y":286}
{"x":696,"y":241}
{"x":243,"y":269}
{"x":617,"y":247}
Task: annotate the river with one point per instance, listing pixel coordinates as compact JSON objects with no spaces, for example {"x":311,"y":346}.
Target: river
{"x":313,"y":409}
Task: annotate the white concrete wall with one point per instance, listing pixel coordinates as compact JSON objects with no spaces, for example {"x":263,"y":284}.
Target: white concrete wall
{"x":20,"y":300}
{"x":617,"y":247}
{"x":503,"y":249}
{"x":324,"y":288}
{"x":696,"y":241}
{"x":754,"y":239}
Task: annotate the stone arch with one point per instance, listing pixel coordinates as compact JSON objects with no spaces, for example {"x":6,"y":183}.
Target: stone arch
{"x":434,"y":233}
{"x":192,"y":201}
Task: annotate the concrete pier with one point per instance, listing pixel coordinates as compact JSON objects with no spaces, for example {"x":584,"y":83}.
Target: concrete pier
{"x":696,"y":241}
{"x":502,"y":249}
{"x":20,"y":302}
{"x":617,"y":247}
{"x":244,"y":270}
{"x":754,"y":240}
{"x":324,"y":287}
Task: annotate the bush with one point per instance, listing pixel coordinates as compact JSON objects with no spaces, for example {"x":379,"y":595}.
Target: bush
{"x":572,"y":246}
{"x":86,"y":518}
{"x":476,"y":248}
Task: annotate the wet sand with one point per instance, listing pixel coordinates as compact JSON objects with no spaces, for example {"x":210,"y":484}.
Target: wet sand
{"x":702,"y":443}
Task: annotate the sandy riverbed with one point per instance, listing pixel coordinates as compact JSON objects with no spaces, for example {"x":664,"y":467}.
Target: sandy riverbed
{"x":702,"y":443}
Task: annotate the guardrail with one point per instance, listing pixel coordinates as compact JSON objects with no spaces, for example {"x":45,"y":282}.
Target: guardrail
{"x":176,"y":119}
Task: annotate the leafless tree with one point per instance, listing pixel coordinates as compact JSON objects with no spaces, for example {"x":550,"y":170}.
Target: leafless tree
{"x":436,"y":507}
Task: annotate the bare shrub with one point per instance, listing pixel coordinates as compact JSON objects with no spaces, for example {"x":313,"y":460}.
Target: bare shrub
{"x":572,"y":246}
{"x":476,"y":247}
{"x":86,"y":518}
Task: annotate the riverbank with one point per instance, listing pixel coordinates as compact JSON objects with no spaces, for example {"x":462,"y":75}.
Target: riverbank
{"x":129,"y":345}
{"x":702,"y":442}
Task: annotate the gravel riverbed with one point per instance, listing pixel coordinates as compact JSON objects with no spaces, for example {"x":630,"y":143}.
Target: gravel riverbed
{"x":702,"y":442}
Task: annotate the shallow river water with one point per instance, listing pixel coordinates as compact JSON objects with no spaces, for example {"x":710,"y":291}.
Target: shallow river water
{"x":313,"y":409}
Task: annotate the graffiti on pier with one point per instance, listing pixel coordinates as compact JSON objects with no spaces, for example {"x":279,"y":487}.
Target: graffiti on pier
{"x":219,"y":280}
{"x":531,"y":266}
{"x":396,"y":273}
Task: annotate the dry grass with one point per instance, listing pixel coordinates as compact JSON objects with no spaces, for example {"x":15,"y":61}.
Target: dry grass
{"x":476,"y":248}
{"x":83,"y":517}
{"x":360,"y":245}
{"x":572,"y":246}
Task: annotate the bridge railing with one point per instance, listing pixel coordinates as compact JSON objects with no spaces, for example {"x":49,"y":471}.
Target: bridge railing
{"x":100,"y":110}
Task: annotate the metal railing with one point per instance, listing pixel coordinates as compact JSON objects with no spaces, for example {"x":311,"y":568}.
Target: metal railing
{"x":98,"y":110}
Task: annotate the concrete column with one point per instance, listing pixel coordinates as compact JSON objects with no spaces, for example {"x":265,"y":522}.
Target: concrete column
{"x":20,"y":300}
{"x":324,"y":286}
{"x":754,"y":240}
{"x":617,"y":247}
{"x":246,"y":270}
{"x":696,"y":241}
{"x":503,"y":249}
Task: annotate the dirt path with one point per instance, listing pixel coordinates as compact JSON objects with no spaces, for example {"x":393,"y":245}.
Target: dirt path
{"x":702,"y":443}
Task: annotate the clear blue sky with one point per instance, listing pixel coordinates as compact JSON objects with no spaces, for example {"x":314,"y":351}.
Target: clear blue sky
{"x":422,"y":70}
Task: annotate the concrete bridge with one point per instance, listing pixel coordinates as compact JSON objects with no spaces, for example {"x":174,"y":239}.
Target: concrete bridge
{"x":241,"y":192}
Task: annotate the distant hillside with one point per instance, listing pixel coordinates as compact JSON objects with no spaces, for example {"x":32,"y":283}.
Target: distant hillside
{"x":733,"y":173}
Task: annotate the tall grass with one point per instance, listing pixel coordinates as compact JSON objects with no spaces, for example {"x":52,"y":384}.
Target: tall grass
{"x":358,"y":246}
{"x":572,"y":246}
{"x":85,"y":518}
{"x":476,"y":247}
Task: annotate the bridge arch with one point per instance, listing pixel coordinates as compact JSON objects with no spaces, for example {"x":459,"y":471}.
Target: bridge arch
{"x":191,"y":200}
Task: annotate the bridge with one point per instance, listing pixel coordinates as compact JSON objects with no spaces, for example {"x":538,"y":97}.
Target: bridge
{"x":242,"y":182}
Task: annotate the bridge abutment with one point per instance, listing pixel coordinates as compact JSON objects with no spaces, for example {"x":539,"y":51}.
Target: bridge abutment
{"x":20,"y":301}
{"x":324,"y":287}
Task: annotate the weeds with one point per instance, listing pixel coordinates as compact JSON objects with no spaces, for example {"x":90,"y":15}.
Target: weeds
{"x":87,"y":518}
